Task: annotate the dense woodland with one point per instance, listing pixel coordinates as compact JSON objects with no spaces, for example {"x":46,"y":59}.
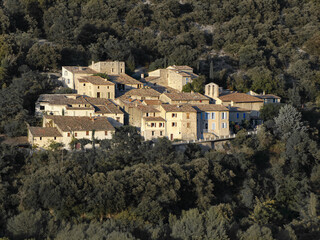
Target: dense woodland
{"x":260,"y":187}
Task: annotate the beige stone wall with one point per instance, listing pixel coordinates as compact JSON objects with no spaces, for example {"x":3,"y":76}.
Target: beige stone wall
{"x":175,"y":80}
{"x":49,"y":109}
{"x":149,"y":131}
{"x":180,"y":125}
{"x":214,"y":123}
{"x":113,"y":68}
{"x":80,"y":113}
{"x":42,"y":142}
{"x":254,"y":107}
{"x":105,"y":91}
{"x":238,"y":117}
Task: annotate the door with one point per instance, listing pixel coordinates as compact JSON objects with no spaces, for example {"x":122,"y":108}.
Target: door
{"x":98,"y":94}
{"x":171,"y":137}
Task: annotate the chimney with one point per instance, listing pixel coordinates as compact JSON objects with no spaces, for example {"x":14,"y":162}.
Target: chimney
{"x":192,"y":91}
{"x":264,"y":92}
{"x":142,"y":75}
{"x":92,"y":62}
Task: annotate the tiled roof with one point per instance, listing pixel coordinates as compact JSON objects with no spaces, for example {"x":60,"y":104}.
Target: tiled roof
{"x":152,"y":102}
{"x":149,"y":119}
{"x":95,"y":80}
{"x":109,"y":108}
{"x":77,"y":69}
{"x":178,"y":108}
{"x":151,"y":78}
{"x":97,"y":101}
{"x":239,"y":97}
{"x":45,"y":132}
{"x":180,"y":67}
{"x":183,"y":96}
{"x":146,"y":108}
{"x":80,"y":108}
{"x":143,"y":92}
{"x":210,"y":107}
{"x":123,"y":79}
{"x":66,"y":123}
{"x":62,"y":99}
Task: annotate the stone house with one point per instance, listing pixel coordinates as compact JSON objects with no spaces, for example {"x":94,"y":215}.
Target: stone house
{"x":181,"y":121}
{"x":108,"y":67}
{"x":173,"y":76}
{"x":64,"y":129}
{"x":212,"y":119}
{"x":95,"y":86}
{"x":71,"y":74}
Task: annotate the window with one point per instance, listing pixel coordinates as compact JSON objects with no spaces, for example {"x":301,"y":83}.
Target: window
{"x":213,"y":126}
{"x":68,"y":81}
{"x":237,"y":115}
{"x":118,"y":119}
{"x":107,"y":87}
{"x":68,"y":134}
{"x":188,"y":125}
{"x":187,"y":80}
{"x":66,"y":73}
{"x":84,"y":84}
{"x":174,"y":115}
{"x":244,"y":115}
{"x":76,"y":134}
{"x":207,"y":116}
{"x":213,"y":115}
{"x":98,"y":87}
{"x":188,"y":115}
{"x":147,"y":114}
{"x":55,"y":138}
{"x":152,"y":133}
{"x":112,"y":70}
{"x":224,"y":115}
{"x":224,"y":125}
{"x":160,"y":124}
{"x":160,"y":133}
{"x":153,"y":124}
{"x":106,"y":133}
{"x":174,"y":124}
{"x":87,"y":133}
{"x":42,"y":107}
{"x":40,"y":138}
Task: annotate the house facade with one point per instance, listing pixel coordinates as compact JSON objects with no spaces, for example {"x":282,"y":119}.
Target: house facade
{"x":108,"y":67}
{"x":213,"y":119}
{"x":181,"y":121}
{"x":95,"y":86}
{"x":63,"y":129}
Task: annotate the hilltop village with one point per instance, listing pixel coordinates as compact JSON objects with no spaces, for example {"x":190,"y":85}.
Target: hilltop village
{"x":106,"y":97}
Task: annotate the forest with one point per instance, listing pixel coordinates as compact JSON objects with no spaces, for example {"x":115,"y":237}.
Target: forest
{"x":261,"y":187}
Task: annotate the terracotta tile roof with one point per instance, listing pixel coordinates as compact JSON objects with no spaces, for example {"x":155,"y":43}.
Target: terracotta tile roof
{"x":124,"y":79}
{"x":239,"y":97}
{"x":146,"y":108}
{"x":238,"y":109}
{"x":151,"y":78}
{"x":45,"y":132}
{"x":143,"y":92}
{"x":77,"y":69}
{"x":157,"y":119}
{"x":178,"y":108}
{"x":152,"y":102}
{"x":97,"y":101}
{"x":61,"y":99}
{"x":80,"y":108}
{"x":182,"y":67}
{"x":66,"y":123}
{"x":210,"y":107}
{"x":183,"y":96}
{"x":95,"y":80}
{"x":109,"y":108}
